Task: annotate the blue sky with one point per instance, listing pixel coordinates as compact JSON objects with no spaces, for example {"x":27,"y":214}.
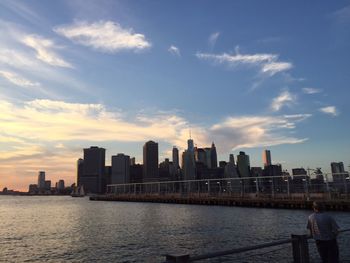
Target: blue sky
{"x":247,"y":75}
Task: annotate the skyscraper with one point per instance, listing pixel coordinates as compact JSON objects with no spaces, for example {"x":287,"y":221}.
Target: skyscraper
{"x":93,"y":170}
{"x":80,"y":171}
{"x":120,"y":169}
{"x":243,"y":164}
{"x":213,"y":156}
{"x":232,"y":158}
{"x":175,"y":157}
{"x":150,"y":162}
{"x":41,"y":180}
{"x":337,"y":168}
{"x":200,"y":156}
{"x":189,"y":166}
{"x":267,"y":157}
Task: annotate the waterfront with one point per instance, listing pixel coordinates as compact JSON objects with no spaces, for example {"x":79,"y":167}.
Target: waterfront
{"x":57,"y":229}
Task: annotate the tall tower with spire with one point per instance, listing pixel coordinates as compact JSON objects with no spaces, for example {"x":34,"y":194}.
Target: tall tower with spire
{"x":189,"y":165}
{"x":213,"y":156}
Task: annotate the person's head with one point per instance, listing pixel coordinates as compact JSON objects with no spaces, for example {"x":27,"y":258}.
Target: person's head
{"x":318,"y":206}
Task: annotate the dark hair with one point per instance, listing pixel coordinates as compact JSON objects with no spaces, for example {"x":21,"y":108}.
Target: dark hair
{"x":319,"y":206}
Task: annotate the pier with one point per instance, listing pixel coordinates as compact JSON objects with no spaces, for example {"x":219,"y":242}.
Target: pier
{"x":267,"y":192}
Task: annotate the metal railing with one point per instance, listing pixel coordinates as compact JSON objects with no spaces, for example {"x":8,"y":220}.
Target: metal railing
{"x":300,"y":249}
{"x":295,"y":187}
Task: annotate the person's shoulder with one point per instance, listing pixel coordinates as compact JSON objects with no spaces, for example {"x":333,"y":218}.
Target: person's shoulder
{"x":312,"y":216}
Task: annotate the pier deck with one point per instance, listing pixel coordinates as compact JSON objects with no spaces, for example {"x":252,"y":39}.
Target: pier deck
{"x":263,"y":202}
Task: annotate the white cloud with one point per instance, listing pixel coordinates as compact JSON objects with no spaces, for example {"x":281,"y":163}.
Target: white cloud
{"x":18,"y":80}
{"x":268,"y":63}
{"x":274,"y":67}
{"x":311,"y":90}
{"x":342,"y":15}
{"x":331,"y":110}
{"x":43,"y":48}
{"x":284,"y":99}
{"x":255,"y":131}
{"x":174,"y":50}
{"x":106,"y":36}
{"x":213,"y":38}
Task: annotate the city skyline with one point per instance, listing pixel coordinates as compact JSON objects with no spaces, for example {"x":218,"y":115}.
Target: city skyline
{"x":248,"y":76}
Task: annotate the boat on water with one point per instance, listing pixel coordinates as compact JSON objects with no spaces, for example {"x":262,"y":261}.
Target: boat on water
{"x":78,"y":191}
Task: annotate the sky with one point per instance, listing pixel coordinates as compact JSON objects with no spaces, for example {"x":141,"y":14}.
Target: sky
{"x":248,"y":75}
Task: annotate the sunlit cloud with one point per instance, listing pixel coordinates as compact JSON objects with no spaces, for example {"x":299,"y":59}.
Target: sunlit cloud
{"x":284,"y":99}
{"x":255,"y":131}
{"x":330,"y":110}
{"x":174,"y":50}
{"x":267,"y":63}
{"x":311,"y":90}
{"x":106,"y":36}
{"x":49,"y":135}
{"x":18,"y":80}
{"x":213,"y":38}
{"x":44,"y":50}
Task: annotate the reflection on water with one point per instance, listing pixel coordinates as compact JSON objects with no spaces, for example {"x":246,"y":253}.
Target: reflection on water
{"x":56,"y":229}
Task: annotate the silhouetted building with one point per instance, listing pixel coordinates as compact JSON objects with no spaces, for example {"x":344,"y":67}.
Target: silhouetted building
{"x":136,"y":171}
{"x":80,"y":170}
{"x":108,"y":174}
{"x":200,"y":155}
{"x":41,"y":180}
{"x":33,"y":189}
{"x":232,"y":158}
{"x":60,"y":185}
{"x":339,"y":176}
{"x":213,"y":156}
{"x":176,"y":157}
{"x":222,"y":164}
{"x":243,"y":164}
{"x":278,"y":181}
{"x":166,"y":170}
{"x":207,"y":157}
{"x":48,"y":185}
{"x":230,"y":170}
{"x":132,"y":161}
{"x":120,"y":169}
{"x":150,"y":162}
{"x":93,"y":178}
{"x":267,"y":157}
{"x":256,"y":171}
{"x":189,"y":166}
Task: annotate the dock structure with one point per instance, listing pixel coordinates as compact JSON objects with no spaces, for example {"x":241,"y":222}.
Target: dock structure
{"x":267,"y":192}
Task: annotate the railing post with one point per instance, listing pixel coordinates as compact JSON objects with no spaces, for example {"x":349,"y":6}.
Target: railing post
{"x":300,"y":249}
{"x":177,"y":259}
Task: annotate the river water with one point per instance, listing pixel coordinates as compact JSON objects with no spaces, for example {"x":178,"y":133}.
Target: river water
{"x":66,"y":229}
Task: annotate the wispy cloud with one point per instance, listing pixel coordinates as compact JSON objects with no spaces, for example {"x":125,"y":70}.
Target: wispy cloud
{"x":255,"y":131}
{"x":213,"y":38}
{"x":330,"y":110}
{"x":272,"y":68}
{"x":342,"y":15}
{"x":284,"y":99}
{"x":106,"y":36}
{"x":44,"y":50}
{"x":268,"y":63}
{"x":18,"y":80}
{"x":311,"y":90}
{"x":174,"y":50}
{"x":17,"y":58}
